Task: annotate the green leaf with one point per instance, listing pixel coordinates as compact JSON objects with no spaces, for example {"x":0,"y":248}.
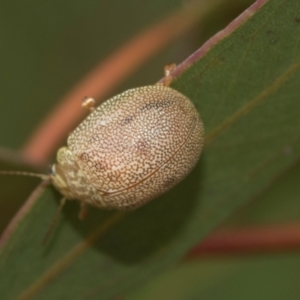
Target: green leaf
{"x":245,"y":83}
{"x":259,"y":276}
{"x":268,"y":277}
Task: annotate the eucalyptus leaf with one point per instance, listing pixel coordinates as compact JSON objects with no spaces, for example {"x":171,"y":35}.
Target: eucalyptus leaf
{"x":245,"y":83}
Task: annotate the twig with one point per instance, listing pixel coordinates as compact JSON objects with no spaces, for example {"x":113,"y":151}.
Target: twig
{"x":249,"y":240}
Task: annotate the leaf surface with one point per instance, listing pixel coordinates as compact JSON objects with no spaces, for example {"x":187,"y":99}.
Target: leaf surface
{"x":245,"y":83}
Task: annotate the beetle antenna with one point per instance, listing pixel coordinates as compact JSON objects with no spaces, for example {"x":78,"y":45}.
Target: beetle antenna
{"x":21,"y":173}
